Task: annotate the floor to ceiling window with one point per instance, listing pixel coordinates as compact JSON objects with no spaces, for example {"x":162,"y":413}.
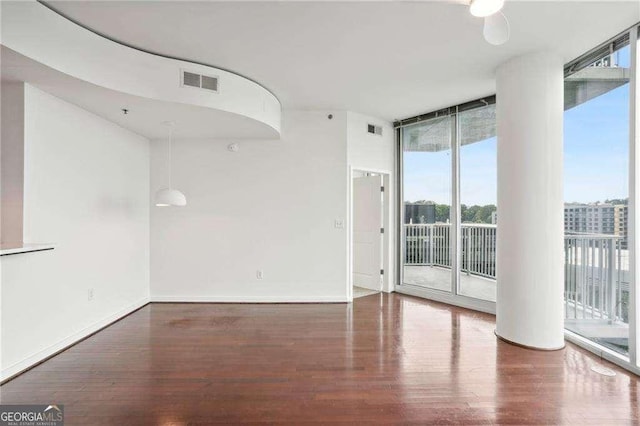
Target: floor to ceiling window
{"x":427,"y":207}
{"x":478,"y":194}
{"x":449,"y":216}
{"x":596,"y":212}
{"x":449,"y":203}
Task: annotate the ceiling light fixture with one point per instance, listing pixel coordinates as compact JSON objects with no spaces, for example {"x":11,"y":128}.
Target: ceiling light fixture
{"x":166,"y":197}
{"x":496,"y":29}
{"x":484,"y":8}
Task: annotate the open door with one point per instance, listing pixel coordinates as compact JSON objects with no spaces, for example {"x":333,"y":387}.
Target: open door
{"x":367,"y":232}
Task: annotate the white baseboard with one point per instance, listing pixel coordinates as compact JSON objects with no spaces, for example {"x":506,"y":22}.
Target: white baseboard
{"x":68,"y":341}
{"x":250,"y":299}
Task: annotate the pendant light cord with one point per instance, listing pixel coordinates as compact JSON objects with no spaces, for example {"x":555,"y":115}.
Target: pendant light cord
{"x":170,"y":153}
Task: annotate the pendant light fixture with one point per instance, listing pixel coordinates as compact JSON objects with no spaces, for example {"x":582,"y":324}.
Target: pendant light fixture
{"x":484,"y":8}
{"x":166,"y":197}
{"x":496,"y":29}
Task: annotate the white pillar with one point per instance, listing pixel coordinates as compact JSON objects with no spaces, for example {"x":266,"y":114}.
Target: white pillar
{"x":529,"y":97}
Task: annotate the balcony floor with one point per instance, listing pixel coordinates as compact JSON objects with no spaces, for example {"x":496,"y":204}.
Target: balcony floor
{"x":597,"y":328}
{"x":439,"y":278}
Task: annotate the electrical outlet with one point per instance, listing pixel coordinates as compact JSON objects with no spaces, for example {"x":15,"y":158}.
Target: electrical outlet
{"x":259,"y":274}
{"x":90,"y":295}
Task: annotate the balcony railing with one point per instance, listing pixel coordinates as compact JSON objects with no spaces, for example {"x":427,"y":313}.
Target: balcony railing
{"x":596,"y":277}
{"x":596,"y":268}
{"x":429,"y":245}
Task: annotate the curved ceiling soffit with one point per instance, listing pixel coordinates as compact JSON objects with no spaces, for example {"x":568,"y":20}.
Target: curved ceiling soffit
{"x":36,"y":31}
{"x":141,"y":49}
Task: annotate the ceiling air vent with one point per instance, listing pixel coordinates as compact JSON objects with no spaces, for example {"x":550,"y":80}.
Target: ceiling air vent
{"x":374,"y":130}
{"x":199,"y":81}
{"x":209,"y":83}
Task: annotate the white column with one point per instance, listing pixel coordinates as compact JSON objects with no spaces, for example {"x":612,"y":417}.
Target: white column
{"x":529,"y":96}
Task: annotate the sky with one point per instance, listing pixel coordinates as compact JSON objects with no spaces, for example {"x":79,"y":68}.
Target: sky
{"x":596,"y":155}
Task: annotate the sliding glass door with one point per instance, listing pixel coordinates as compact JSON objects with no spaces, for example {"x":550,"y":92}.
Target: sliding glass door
{"x":478,"y":199}
{"x":449,"y":204}
{"x":427,"y":207}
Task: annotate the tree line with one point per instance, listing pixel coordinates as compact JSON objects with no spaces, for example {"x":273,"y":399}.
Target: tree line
{"x":470,"y":214}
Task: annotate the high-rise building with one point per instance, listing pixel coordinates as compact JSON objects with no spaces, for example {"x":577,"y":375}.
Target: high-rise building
{"x":620,"y":223}
{"x":597,"y":218}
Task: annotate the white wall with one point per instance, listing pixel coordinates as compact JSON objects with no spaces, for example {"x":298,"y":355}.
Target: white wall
{"x":270,"y":206}
{"x":375,"y":153}
{"x":86,"y":190}
{"x":367,"y":151}
{"x":12,"y":162}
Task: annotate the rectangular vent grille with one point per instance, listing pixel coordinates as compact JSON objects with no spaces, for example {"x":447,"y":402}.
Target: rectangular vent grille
{"x":199,"y":81}
{"x":209,"y":83}
{"x":191,"y":79}
{"x":374,"y":130}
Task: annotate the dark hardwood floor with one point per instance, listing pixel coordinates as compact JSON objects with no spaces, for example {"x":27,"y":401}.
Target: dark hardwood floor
{"x":384,"y":359}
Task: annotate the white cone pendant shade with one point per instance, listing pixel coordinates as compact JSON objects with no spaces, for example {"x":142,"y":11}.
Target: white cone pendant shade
{"x":170,"y":197}
{"x":496,"y":29}
{"x":482,"y":8}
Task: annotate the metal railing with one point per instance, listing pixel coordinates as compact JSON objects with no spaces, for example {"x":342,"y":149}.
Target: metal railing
{"x":596,"y":267}
{"x":596,"y":277}
{"x":429,"y":245}
{"x":479,"y":249}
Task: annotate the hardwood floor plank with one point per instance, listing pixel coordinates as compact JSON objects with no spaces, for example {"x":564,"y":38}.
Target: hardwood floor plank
{"x":390,"y":359}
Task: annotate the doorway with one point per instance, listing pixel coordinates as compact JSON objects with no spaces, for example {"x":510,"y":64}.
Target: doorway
{"x":368,"y":233}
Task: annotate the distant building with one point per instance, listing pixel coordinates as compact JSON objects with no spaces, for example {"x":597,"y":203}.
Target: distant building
{"x":589,"y":218}
{"x":620,"y":222}
{"x":600,"y":218}
{"x":419,"y":213}
{"x":494,"y":218}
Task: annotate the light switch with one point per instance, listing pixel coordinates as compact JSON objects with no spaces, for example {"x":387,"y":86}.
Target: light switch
{"x":339,"y":223}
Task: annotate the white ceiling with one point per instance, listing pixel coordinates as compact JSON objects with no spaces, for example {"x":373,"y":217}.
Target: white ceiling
{"x":145,"y":116}
{"x":387,"y":59}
